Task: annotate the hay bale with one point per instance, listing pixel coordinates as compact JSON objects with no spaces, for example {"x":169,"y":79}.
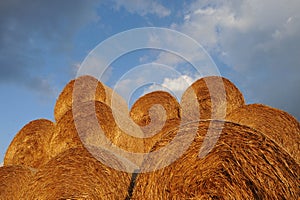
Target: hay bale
{"x":278,"y":125}
{"x":155,"y":113}
{"x":210,"y":98}
{"x":30,"y":146}
{"x":244,"y":164}
{"x":75,"y":174}
{"x":87,"y":88}
{"x":82,"y":126}
{"x":13,"y":179}
{"x":115,"y":101}
{"x":140,"y":111}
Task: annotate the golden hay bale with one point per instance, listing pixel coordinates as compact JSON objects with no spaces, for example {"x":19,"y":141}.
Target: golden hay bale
{"x":84,"y":124}
{"x":141,"y":108}
{"x":276,"y":124}
{"x":87,"y":88}
{"x":115,"y":101}
{"x":75,"y":174}
{"x":244,"y":164}
{"x":155,"y":112}
{"x":210,"y":97}
{"x":13,"y":179}
{"x":30,"y":146}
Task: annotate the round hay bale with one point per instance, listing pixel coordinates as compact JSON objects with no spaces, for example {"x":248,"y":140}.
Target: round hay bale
{"x":155,"y":113}
{"x":278,"y":125}
{"x":115,"y":101}
{"x":75,"y":174}
{"x":30,"y":147}
{"x":87,"y":88}
{"x":13,"y":179}
{"x":141,"y":108}
{"x":210,"y":97}
{"x":92,"y":123}
{"x":244,"y":164}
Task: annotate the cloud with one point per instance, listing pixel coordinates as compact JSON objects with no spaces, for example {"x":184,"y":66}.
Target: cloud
{"x":260,"y":42}
{"x":143,"y":7}
{"x":1,"y":164}
{"x":175,"y":86}
{"x":33,"y":31}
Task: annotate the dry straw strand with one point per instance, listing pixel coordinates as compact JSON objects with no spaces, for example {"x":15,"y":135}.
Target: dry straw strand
{"x":13,"y":179}
{"x":244,"y":164}
{"x":75,"y":174}
{"x":30,"y":146}
{"x":211,"y":97}
{"x":276,"y":124}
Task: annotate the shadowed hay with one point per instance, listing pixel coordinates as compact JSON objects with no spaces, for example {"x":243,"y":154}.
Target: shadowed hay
{"x":87,"y":88}
{"x":94,"y":124}
{"x":276,"y":124}
{"x":244,"y":164}
{"x":30,"y":146}
{"x":13,"y":179}
{"x":155,"y":112}
{"x":210,"y":98}
{"x":75,"y":174}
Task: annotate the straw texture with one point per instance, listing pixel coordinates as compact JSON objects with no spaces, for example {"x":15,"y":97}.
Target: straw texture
{"x":13,"y":179}
{"x":210,"y":98}
{"x":87,"y":88}
{"x":155,"y":113}
{"x":75,"y":174}
{"x":254,"y":154}
{"x":280,"y":126}
{"x":30,"y":147}
{"x":244,"y":164}
{"x":92,"y":123}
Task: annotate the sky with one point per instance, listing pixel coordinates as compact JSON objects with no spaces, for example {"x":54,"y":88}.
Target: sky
{"x":255,"y":44}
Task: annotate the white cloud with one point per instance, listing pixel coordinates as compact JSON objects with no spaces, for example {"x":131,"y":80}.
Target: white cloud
{"x":143,"y":7}
{"x":259,"y":41}
{"x":1,"y":164}
{"x":175,"y":86}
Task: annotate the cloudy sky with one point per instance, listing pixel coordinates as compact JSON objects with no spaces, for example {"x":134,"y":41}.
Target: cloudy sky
{"x":256,"y":44}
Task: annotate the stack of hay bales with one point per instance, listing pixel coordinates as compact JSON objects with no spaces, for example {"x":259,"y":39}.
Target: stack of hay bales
{"x":244,"y":164}
{"x":61,"y":157}
{"x":253,"y":150}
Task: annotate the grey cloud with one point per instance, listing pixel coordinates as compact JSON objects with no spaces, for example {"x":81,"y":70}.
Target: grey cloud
{"x":143,"y":7}
{"x":32,"y":30}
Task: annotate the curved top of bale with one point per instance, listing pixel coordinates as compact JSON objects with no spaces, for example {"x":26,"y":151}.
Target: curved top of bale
{"x":92,"y":123}
{"x":276,"y":124}
{"x":87,"y":88}
{"x":30,"y":146}
{"x":75,"y":174}
{"x":13,"y":179}
{"x":210,"y":97}
{"x":140,"y":111}
{"x":155,"y":112}
{"x":244,"y":164}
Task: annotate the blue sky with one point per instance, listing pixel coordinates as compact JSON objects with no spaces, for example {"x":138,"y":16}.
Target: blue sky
{"x":256,"y":44}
